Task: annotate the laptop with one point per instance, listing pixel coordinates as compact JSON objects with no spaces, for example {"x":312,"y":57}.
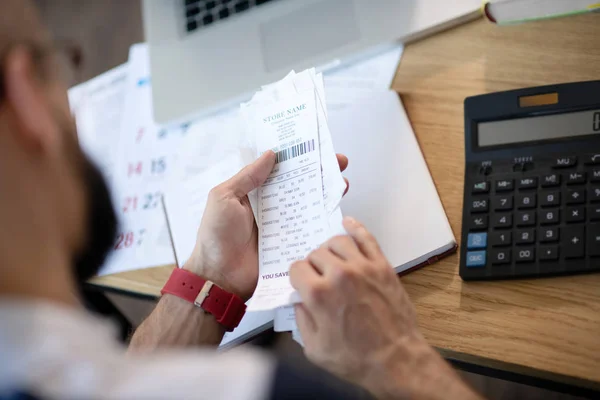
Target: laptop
{"x":209,"y":54}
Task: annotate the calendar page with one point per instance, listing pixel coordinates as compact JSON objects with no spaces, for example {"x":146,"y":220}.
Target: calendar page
{"x":146,"y":153}
{"x":116,"y":129}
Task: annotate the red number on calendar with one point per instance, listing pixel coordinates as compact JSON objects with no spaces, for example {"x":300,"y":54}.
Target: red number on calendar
{"x":119,"y":244}
{"x":147,"y":201}
{"x":140,"y":135}
{"x":128,"y":242}
{"x":129,"y":239}
{"x":134,"y":169}
{"x":125,"y":240}
{"x":130,"y":204}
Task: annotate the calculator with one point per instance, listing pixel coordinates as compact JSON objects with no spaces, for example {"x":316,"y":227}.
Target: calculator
{"x":532,"y":182}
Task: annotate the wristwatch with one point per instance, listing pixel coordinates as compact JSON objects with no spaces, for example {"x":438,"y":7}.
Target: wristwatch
{"x":227,"y":308}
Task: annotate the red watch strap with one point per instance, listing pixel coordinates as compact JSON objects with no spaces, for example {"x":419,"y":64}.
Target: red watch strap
{"x":227,"y":308}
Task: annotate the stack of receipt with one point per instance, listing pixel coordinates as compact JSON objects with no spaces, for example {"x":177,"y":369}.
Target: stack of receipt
{"x":297,"y":208}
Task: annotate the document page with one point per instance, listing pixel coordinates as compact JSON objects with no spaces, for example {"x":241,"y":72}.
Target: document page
{"x":291,"y":213}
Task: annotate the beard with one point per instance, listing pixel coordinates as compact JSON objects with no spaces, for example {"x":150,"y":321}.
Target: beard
{"x":101,"y":224}
{"x":100,"y":217}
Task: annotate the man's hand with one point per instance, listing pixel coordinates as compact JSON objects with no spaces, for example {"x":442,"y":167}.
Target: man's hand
{"x":357,"y":321}
{"x":226,"y":249}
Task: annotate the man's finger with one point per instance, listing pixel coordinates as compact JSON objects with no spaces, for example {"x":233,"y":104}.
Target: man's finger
{"x":252,"y":176}
{"x":324,"y":260}
{"x":303,"y":275}
{"x":342,"y":161}
{"x":308,"y":282}
{"x":347,"y":186}
{"x":305,"y":321}
{"x":344,"y":247}
{"x":364,"y":240}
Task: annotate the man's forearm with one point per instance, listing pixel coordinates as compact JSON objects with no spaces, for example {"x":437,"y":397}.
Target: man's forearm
{"x":416,"y":371}
{"x":176,"y":323}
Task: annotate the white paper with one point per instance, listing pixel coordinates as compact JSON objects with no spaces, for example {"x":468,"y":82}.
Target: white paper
{"x":97,"y":106}
{"x":349,"y":83}
{"x":285,"y":319}
{"x":408,"y":221}
{"x":333,"y":181}
{"x":291,"y":214}
{"x":145,"y":154}
{"x":297,"y":337}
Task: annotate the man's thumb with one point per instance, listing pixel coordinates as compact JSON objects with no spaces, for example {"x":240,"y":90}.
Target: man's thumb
{"x":253,"y":175}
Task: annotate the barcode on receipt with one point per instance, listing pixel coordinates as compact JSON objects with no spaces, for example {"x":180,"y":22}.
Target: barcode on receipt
{"x":295,"y":151}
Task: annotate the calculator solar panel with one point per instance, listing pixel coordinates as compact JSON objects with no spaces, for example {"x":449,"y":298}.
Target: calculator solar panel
{"x":532,"y":182}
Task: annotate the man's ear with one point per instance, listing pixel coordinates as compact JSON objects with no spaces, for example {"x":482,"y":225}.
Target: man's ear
{"x":26,"y":97}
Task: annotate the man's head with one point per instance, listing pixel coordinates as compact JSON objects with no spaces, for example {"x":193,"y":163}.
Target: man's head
{"x":54,"y":204}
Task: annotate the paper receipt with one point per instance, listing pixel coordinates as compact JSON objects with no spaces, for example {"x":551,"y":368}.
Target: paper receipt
{"x":291,"y":214}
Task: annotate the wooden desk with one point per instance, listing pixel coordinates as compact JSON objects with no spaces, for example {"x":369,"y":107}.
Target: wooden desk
{"x":547,"y":328}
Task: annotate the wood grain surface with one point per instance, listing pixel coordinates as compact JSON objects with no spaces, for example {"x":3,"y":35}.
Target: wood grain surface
{"x":543,"y":327}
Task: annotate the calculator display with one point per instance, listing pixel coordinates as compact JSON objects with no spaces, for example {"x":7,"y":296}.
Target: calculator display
{"x":546,"y":127}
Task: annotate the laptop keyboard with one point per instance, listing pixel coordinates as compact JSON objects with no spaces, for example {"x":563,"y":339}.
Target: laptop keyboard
{"x":201,"y":13}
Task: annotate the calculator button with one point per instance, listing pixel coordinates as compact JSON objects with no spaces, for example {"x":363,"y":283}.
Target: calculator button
{"x":477,"y":240}
{"x":479,"y":222}
{"x":475,"y":259}
{"x":575,"y":178}
{"x":564,"y":162}
{"x":500,"y":256}
{"x":548,"y":253}
{"x":481,"y":187}
{"x":595,"y":175}
{"x":592,"y":159}
{"x":485,"y":170}
{"x":480,"y":205}
{"x":594,"y":239}
{"x":594,"y":193}
{"x":575,"y":196}
{"x":549,"y":199}
{"x":518,"y":167}
{"x":549,"y":234}
{"x":501,"y":238}
{"x":502,"y":221}
{"x":525,"y":236}
{"x":551,"y":180}
{"x":526,"y":200}
{"x":527,"y":183}
{"x":525,"y":254}
{"x":525,"y":218}
{"x":595,"y":213}
{"x":575,"y":214}
{"x":528,"y":166}
{"x":549,"y":217}
{"x":500,"y":203}
{"x":573,"y":241}
{"x":504,"y":185}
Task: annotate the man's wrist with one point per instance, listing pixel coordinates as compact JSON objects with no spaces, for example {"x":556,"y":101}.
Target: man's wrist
{"x":176,"y":322}
{"x":197,"y":267}
{"x":415,"y":370}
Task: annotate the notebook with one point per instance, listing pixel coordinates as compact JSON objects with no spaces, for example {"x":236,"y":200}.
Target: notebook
{"x":391,"y":192}
{"x":516,"y":11}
